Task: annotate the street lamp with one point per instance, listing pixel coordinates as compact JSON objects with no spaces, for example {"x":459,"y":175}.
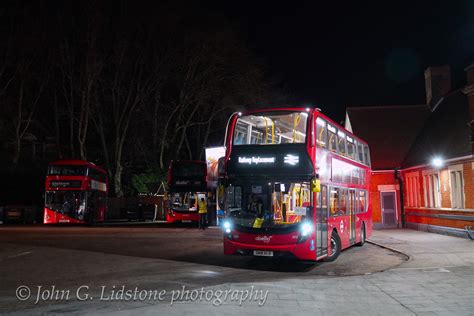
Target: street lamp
{"x":437,"y":162}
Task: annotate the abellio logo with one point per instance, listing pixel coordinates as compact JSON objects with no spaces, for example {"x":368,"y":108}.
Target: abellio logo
{"x":292,"y":160}
{"x":265,"y":239}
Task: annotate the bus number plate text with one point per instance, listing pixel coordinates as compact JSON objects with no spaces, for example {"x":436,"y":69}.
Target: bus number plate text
{"x":262,"y":253}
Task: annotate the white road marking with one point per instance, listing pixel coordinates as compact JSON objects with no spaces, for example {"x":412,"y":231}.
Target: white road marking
{"x":19,"y":255}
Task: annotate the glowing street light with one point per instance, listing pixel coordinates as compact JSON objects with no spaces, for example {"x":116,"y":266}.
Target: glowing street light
{"x":437,"y":162}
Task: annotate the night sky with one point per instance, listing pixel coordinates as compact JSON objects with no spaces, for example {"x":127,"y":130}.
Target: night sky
{"x":333,"y":54}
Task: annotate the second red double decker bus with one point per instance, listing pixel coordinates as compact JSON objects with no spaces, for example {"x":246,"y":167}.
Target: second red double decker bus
{"x":187,"y":184}
{"x":76,"y":193}
{"x":296,"y":183}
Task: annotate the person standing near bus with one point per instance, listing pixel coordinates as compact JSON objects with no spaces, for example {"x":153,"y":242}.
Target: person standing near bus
{"x":202,"y":213}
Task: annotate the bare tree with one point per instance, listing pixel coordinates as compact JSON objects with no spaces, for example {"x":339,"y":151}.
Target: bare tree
{"x":24,"y":106}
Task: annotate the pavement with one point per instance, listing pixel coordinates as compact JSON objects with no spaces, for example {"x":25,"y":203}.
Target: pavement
{"x":410,"y":273}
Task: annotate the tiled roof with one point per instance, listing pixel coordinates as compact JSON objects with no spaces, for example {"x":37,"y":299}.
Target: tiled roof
{"x":390,"y":131}
{"x":446,"y":133}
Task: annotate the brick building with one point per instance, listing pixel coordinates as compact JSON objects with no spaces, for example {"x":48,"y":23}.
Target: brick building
{"x":422,"y":157}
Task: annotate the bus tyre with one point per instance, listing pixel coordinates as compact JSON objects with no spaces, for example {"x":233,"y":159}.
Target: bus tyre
{"x":90,"y":219}
{"x":335,"y":247}
{"x":362,"y":236}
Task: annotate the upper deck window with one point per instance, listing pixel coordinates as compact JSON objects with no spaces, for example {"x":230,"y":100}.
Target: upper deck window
{"x":366,"y":155}
{"x":271,"y":128}
{"x":332,"y":138}
{"x":344,"y":144}
{"x":350,"y":147}
{"x":321,"y":133}
{"x":341,"y":143}
{"x":67,"y":170}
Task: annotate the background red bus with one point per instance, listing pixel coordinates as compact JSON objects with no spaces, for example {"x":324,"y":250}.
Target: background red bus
{"x":76,"y":192}
{"x":296,"y":183}
{"x":186,"y":185}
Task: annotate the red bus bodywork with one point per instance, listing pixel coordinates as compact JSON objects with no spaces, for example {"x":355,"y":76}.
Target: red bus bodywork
{"x":322,"y":164}
{"x":75,"y":192}
{"x":186,"y":180}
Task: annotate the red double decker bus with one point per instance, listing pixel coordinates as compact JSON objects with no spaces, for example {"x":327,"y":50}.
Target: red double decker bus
{"x":296,"y":183}
{"x":186,"y":186}
{"x":76,"y":193}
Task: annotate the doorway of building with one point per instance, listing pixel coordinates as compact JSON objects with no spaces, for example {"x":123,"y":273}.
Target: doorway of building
{"x":389,"y":209}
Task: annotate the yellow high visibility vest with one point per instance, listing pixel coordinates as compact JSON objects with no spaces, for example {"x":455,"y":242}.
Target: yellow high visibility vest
{"x":202,"y":207}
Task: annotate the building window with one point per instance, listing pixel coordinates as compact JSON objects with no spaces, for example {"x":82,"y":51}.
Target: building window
{"x":457,"y":188}
{"x":431,"y":189}
{"x":413,"y":189}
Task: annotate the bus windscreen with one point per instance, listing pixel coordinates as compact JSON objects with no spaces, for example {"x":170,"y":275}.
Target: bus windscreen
{"x":268,"y":205}
{"x":66,"y":170}
{"x":271,"y":128}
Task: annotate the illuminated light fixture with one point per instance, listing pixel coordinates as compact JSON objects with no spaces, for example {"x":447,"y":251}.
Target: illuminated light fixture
{"x":306,"y":229}
{"x":227,"y":226}
{"x":437,"y":162}
{"x":307,"y":109}
{"x":240,"y":113}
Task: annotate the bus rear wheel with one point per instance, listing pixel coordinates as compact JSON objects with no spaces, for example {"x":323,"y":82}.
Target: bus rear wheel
{"x":362,"y":236}
{"x":335,"y":247}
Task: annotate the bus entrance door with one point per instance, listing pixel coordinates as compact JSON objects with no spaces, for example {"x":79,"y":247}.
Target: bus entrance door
{"x":322,"y":222}
{"x":352,"y":218}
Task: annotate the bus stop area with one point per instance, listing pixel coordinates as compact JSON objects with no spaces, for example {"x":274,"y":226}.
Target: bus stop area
{"x":92,"y":269}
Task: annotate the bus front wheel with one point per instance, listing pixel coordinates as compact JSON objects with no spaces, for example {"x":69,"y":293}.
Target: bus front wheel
{"x":335,"y":247}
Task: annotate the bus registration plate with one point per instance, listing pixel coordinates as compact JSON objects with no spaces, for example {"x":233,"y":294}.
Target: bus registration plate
{"x":262,"y":253}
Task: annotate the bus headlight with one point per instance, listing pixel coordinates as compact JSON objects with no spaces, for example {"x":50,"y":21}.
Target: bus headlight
{"x":227,"y":226}
{"x":306,"y":229}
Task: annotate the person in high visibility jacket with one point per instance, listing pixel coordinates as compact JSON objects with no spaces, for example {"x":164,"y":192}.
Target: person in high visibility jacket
{"x":202,"y":214}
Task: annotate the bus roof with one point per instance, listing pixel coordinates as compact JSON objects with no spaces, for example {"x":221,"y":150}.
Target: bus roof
{"x":76,"y":162}
{"x":309,"y":110}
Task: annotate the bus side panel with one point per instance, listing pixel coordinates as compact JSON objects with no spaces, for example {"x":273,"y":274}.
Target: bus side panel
{"x":341,"y":225}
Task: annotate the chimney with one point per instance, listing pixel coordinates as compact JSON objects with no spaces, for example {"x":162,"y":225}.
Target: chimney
{"x":469,"y":91}
{"x":437,"y":84}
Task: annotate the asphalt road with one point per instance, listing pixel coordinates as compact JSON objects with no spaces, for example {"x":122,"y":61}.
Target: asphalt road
{"x":150,"y":256}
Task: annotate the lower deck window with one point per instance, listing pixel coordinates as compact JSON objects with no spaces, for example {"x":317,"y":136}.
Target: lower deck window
{"x":185,"y":201}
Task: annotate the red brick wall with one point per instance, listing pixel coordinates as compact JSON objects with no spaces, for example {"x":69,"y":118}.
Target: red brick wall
{"x":445,"y":192}
{"x":468,"y":184}
{"x":443,"y":222}
{"x":385,"y":178}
